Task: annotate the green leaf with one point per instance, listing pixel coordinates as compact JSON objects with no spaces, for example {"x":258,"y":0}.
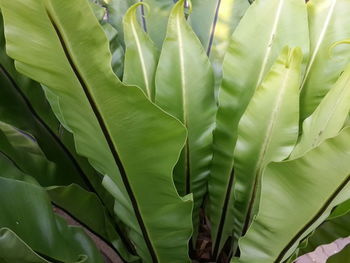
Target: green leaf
{"x":14,"y":250}
{"x":328,"y":21}
{"x":116,"y":10}
{"x":202,"y":27}
{"x":267,"y":132}
{"x":89,"y":210}
{"x":66,"y":139}
{"x":26,"y":210}
{"x":155,"y":22}
{"x":101,"y":10}
{"x":64,"y":195}
{"x":214,"y":22}
{"x":95,"y":178}
{"x":116,"y":48}
{"x":328,"y":118}
{"x":24,"y":152}
{"x":98,"y":9}
{"x":185,"y":89}
{"x":141,"y":56}
{"x":8,"y":170}
{"x":280,"y":24}
{"x":87,"y":207}
{"x":23,"y":105}
{"x":61,"y":45}
{"x":285,"y":218}
{"x":27,"y":88}
{"x":340,"y":210}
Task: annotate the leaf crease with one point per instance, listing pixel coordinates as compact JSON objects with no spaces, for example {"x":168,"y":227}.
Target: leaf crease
{"x":108,"y":138}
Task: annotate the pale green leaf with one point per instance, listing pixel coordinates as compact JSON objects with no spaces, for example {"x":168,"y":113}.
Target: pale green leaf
{"x":185,"y":89}
{"x":297,"y":196}
{"x":61,"y":45}
{"x":23,"y":105}
{"x":328,"y":118}
{"x":267,"y":27}
{"x":141,"y":56}
{"x":221,"y":19}
{"x":155,"y":22}
{"x":328,"y":23}
{"x":267,"y":132}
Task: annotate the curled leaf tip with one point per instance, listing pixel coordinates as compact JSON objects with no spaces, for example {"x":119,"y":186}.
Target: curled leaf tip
{"x":334,"y":45}
{"x":134,"y":7}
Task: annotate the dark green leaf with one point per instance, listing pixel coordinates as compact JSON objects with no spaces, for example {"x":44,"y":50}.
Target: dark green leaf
{"x":26,"y":210}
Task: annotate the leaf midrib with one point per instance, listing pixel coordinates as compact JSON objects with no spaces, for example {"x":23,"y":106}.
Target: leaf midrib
{"x":261,"y":74}
{"x":184,"y":104}
{"x":261,"y":162}
{"x":319,"y":42}
{"x":107,"y":136}
{"x":270,"y":43}
{"x":142,"y":60}
{"x":46,"y":128}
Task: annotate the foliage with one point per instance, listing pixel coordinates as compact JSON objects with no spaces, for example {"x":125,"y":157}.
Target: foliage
{"x":143,"y":120}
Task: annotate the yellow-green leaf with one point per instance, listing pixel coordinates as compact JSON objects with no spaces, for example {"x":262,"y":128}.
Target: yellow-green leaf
{"x":328,"y":23}
{"x":141,"y":56}
{"x":328,"y":118}
{"x":267,"y":132}
{"x":267,"y":27}
{"x":61,"y":45}
{"x":185,"y":89}
{"x":297,"y":196}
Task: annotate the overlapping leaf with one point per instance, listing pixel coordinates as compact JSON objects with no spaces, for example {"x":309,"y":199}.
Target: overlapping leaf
{"x":321,"y":177}
{"x":328,"y":118}
{"x":328,"y":232}
{"x":141,"y":56}
{"x":221,"y":19}
{"x":267,"y":132}
{"x":185,"y":89}
{"x":23,"y":105}
{"x":20,"y":150}
{"x":14,"y":250}
{"x":60,"y":44}
{"x":276,"y":24}
{"x":26,"y":211}
{"x":153,"y":22}
{"x":23,"y":151}
{"x":328,"y":21}
{"x":88,"y":210}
